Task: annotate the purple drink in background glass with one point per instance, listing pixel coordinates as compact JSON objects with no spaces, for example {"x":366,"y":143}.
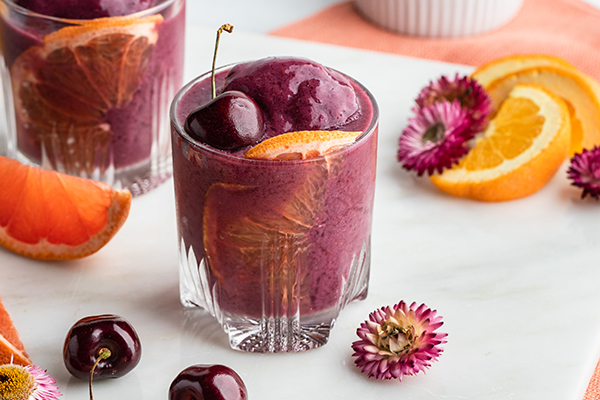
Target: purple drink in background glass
{"x":275,"y":249}
{"x":87,"y":85}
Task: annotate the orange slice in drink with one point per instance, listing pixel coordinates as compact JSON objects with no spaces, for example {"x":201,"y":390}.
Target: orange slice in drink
{"x":11,"y":347}
{"x":580,"y":91}
{"x":255,"y":257}
{"x":251,"y":240}
{"x":301,"y":145}
{"x":51,"y":216}
{"x":242,"y":233}
{"x":521,"y":149}
{"x":64,"y":87}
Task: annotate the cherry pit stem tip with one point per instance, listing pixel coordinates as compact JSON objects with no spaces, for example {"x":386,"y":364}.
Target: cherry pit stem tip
{"x":227,"y":28}
{"x":103,"y":354}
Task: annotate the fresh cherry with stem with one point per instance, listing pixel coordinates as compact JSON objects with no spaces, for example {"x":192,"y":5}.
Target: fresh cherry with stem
{"x":230,"y":121}
{"x":101,"y":346}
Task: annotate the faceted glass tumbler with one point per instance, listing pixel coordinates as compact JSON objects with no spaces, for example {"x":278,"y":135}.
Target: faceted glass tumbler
{"x":91,"y":97}
{"x":273,"y":249}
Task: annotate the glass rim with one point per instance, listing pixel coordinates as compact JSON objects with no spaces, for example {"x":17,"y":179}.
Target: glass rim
{"x":220,"y":153}
{"x":74,"y":21}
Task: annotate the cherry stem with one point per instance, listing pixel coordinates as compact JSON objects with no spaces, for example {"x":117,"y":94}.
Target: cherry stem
{"x":103,"y":354}
{"x":227,"y":28}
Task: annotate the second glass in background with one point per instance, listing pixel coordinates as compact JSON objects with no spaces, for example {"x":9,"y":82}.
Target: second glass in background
{"x":90,"y":97}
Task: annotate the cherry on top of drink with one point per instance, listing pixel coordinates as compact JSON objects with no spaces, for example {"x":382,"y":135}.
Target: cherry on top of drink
{"x":230,"y":120}
{"x":271,"y":96}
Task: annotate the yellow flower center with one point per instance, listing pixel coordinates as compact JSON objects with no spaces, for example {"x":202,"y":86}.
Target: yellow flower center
{"x":16,"y":383}
{"x":395,"y":338}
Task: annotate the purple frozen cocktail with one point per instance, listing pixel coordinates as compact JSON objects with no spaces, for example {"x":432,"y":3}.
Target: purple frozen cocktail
{"x":87,"y":85}
{"x":275,"y":232}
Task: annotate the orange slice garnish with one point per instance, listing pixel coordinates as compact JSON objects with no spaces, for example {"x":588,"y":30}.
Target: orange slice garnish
{"x":11,"y":347}
{"x":520,"y":151}
{"x":580,"y":91}
{"x":51,"y":216}
{"x":502,"y":66}
{"x":301,"y":145}
{"x":64,"y":87}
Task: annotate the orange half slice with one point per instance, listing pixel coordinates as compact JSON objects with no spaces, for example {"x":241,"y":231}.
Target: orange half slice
{"x":520,"y":151}
{"x":301,"y":145}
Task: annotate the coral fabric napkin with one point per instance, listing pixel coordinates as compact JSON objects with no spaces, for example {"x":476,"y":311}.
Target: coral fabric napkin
{"x":566,"y":28}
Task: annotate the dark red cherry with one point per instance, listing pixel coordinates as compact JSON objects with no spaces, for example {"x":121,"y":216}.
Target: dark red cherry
{"x":208,"y":382}
{"x":93,"y":335}
{"x":230,"y":121}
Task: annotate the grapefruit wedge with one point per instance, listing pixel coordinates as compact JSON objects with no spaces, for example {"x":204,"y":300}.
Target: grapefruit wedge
{"x":51,"y":216}
{"x":11,"y":347}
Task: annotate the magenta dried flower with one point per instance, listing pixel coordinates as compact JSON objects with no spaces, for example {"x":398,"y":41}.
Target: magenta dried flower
{"x":467,"y":91}
{"x":436,"y":138}
{"x":399,"y":340}
{"x":584,"y":171}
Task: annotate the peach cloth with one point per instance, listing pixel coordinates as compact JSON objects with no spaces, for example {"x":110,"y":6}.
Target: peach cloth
{"x":566,"y":28}
{"x":593,"y":389}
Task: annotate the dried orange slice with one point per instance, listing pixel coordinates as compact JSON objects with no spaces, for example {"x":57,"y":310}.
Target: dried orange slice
{"x":51,"y":216}
{"x":301,"y":145}
{"x":521,"y":149}
{"x":64,"y":87}
{"x":11,"y":347}
{"x":580,"y":91}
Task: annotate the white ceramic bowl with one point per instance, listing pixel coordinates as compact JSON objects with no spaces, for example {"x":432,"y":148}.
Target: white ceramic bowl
{"x":439,"y":18}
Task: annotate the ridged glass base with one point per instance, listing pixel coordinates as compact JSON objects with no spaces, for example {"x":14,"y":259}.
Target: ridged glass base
{"x":293,"y":331}
{"x":275,"y":334}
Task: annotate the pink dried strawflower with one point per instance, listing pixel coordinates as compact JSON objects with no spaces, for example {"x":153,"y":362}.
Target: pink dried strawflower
{"x":467,"y":91}
{"x":436,"y":138}
{"x":585,"y":172}
{"x":399,"y":340}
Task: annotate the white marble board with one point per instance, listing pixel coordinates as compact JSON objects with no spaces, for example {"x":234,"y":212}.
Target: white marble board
{"x":516,"y":282}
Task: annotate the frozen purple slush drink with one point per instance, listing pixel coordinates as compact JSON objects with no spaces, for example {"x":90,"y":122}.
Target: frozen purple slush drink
{"x":91,"y":92}
{"x":275,"y":249}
